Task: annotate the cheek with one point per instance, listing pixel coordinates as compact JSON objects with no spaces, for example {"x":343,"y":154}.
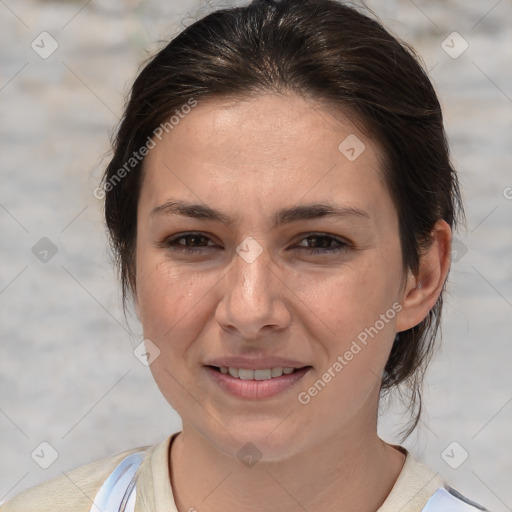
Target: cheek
{"x":359,"y":306}
{"x":170,"y":302}
{"x":347,"y":301}
{"x":361,"y":320}
{"x":174,"y":309}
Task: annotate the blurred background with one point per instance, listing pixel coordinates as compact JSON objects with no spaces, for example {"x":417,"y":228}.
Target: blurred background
{"x":68,"y":375}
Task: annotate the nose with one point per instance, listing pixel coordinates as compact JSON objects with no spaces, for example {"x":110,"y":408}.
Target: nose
{"x":254,"y":298}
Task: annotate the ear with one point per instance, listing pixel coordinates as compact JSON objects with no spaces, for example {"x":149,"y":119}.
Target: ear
{"x":422,"y":290}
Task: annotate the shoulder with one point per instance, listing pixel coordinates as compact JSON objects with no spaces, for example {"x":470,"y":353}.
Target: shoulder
{"x":73,"y":490}
{"x":419,"y":489}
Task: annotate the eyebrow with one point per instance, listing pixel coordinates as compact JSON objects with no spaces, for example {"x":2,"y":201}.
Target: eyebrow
{"x":286,"y":215}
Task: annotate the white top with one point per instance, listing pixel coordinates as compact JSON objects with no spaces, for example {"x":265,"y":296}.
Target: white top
{"x":113,"y":483}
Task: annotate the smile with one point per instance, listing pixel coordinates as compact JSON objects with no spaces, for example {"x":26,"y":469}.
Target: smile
{"x":255,"y":384}
{"x":246,"y":374}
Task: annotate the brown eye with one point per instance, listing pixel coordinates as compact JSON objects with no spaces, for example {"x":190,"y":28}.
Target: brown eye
{"x":320,"y":243}
{"x":193,"y":242}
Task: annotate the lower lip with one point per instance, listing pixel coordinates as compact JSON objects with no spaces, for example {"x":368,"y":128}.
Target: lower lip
{"x":256,"y":389}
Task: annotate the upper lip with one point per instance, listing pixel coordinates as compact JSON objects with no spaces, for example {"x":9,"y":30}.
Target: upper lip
{"x":260,"y":363}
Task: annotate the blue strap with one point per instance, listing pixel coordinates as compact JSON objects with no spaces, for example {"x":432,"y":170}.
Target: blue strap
{"x":117,"y":494}
{"x":444,"y":500}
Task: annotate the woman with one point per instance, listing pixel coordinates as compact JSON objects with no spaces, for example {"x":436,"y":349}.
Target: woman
{"x":281,"y":204}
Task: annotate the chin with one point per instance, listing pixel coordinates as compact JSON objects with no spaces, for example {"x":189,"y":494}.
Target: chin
{"x":261,"y":441}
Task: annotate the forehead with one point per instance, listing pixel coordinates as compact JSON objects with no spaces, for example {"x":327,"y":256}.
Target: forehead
{"x":262,"y":151}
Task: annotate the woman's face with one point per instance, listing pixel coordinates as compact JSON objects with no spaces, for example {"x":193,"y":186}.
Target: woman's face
{"x":280,"y":280}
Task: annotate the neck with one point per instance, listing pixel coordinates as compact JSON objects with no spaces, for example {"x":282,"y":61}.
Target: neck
{"x":342,"y":473}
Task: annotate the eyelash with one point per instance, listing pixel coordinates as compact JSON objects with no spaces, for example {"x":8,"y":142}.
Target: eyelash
{"x":173,"y":243}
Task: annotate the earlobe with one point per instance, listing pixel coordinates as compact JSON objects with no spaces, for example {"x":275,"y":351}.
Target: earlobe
{"x":422,"y":290}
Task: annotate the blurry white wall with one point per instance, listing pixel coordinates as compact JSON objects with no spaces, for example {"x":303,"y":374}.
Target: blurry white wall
{"x":68,"y":375}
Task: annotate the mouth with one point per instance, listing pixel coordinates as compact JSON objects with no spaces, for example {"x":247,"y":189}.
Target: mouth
{"x":249,"y":374}
{"x":256,"y":384}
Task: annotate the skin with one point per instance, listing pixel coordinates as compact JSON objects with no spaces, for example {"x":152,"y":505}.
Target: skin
{"x":249,"y":159}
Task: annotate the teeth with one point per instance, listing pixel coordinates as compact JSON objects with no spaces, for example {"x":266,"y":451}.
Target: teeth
{"x":263,"y":374}
{"x":276,"y":372}
{"x":245,"y":374}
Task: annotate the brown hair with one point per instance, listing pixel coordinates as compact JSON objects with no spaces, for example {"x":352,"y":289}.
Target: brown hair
{"x":324,"y":51}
